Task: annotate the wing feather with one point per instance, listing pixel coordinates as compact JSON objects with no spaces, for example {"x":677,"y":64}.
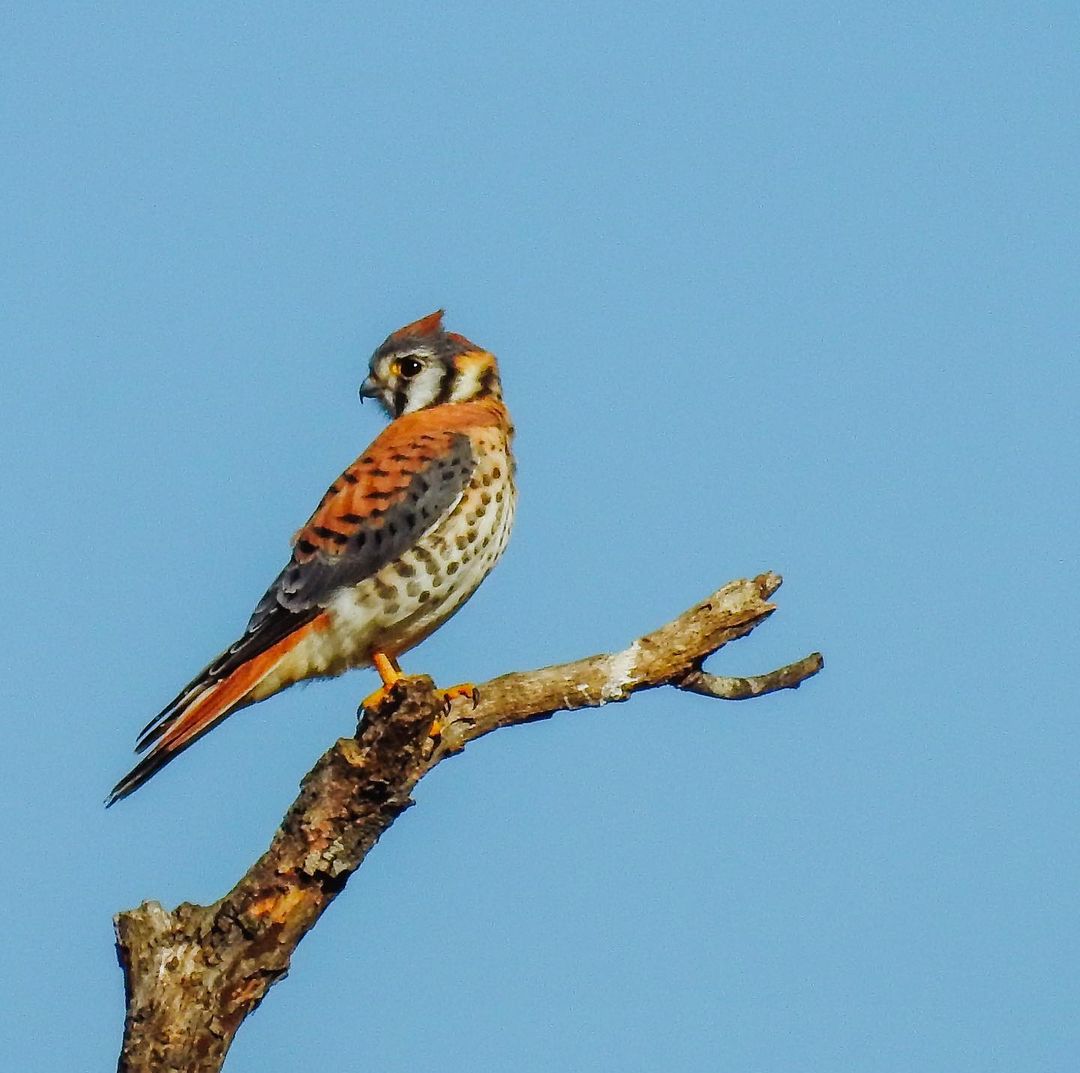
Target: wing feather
{"x":368,"y":523}
{"x":380,"y":506}
{"x":410,"y":478}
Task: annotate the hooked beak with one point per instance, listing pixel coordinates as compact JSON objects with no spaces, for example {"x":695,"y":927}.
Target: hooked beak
{"x":369,"y":389}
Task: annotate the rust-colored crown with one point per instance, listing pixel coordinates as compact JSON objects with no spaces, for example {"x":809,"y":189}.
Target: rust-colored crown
{"x":429,"y":325}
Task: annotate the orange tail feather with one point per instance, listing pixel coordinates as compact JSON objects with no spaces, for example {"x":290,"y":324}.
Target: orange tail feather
{"x":208,"y":708}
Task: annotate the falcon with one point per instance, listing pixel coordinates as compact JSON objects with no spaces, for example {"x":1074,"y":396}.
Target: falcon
{"x":397,"y":544}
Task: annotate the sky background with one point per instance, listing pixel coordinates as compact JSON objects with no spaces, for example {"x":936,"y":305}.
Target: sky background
{"x":774,"y":286}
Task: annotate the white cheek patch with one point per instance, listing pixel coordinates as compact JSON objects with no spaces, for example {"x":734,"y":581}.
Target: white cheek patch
{"x":423,"y":388}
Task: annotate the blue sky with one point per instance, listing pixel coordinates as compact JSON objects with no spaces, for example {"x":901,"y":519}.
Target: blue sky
{"x":774,"y":286}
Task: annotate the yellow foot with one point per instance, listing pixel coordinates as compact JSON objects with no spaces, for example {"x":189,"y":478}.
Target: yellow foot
{"x":389,"y":672}
{"x":373,"y":700}
{"x":466,"y":689}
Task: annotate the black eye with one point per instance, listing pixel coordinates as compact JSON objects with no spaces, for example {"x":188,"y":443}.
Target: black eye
{"x":409,"y":367}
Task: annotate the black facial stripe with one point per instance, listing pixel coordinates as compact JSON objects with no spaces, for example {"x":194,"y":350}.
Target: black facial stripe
{"x":487,"y":381}
{"x":401,"y":400}
{"x":446,"y":386}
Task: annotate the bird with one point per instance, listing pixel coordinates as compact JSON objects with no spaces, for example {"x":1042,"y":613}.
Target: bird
{"x":395,"y":547}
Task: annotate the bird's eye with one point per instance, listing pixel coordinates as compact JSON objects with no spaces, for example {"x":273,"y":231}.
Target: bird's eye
{"x":408,"y":367}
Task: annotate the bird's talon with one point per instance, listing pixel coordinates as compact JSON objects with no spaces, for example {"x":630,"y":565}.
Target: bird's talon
{"x":406,"y":486}
{"x":466,"y":689}
{"x":372,"y":701}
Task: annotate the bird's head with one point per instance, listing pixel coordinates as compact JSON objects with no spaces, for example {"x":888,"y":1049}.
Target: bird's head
{"x":423,"y":365}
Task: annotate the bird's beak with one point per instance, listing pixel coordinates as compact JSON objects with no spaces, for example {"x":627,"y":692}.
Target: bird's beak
{"x":369,"y":389}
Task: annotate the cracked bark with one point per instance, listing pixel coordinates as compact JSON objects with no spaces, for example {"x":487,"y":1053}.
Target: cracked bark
{"x":192,"y":975}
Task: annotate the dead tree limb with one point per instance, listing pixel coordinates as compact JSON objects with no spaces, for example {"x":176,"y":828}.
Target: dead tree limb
{"x":192,"y":975}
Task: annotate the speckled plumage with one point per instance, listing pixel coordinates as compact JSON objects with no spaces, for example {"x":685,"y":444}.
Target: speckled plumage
{"x":397,"y":544}
{"x":438,"y":568}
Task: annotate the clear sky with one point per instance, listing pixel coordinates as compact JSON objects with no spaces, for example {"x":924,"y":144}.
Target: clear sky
{"x":774,"y":286}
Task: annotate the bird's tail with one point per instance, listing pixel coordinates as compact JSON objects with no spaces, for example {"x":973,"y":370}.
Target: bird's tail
{"x":223,"y":688}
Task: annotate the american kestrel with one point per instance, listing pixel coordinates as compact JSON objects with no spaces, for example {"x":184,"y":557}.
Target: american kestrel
{"x":398,"y":543}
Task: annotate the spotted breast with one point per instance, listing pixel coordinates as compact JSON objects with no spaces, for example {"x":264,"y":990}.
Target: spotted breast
{"x":395,"y":547}
{"x":432,"y":573}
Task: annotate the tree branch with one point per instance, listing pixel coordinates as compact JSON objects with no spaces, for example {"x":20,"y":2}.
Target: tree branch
{"x":789,"y":677}
{"x":192,"y":975}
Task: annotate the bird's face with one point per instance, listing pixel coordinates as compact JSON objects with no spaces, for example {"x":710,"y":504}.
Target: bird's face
{"x":421,"y":365}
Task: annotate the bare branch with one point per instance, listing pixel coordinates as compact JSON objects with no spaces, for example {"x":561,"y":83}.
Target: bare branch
{"x":790,"y":677}
{"x":194,"y":974}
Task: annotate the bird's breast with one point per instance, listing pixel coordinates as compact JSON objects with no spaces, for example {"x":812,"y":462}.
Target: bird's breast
{"x":408,"y":598}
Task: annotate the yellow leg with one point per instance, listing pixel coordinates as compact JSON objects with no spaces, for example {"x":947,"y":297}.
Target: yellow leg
{"x":389,"y":669}
{"x":389,"y":672}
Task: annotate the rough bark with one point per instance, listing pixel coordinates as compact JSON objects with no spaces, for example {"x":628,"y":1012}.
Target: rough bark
{"x":192,"y":975}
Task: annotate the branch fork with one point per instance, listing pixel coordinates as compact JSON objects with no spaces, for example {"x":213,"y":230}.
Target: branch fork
{"x":192,"y":975}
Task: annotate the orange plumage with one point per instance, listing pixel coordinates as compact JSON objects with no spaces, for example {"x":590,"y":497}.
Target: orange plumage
{"x":396,"y":545}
